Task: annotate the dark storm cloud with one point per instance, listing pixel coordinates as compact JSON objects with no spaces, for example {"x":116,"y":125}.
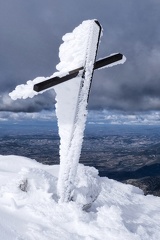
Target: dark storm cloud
{"x":30,"y":34}
{"x":27,"y":105}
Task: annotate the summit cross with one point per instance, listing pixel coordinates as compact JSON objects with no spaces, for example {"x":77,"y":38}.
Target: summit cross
{"x":76,"y":68}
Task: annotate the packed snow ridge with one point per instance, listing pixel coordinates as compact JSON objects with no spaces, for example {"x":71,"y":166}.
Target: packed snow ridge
{"x":29,"y":209}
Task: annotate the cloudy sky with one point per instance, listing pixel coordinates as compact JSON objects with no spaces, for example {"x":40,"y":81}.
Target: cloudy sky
{"x":31,"y":32}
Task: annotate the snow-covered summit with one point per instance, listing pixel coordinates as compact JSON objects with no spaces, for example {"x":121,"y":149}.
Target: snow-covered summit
{"x":29,"y":208}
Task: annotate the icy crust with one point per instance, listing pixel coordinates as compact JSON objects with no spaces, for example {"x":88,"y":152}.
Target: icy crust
{"x":118,"y":211}
{"x":72,"y":102}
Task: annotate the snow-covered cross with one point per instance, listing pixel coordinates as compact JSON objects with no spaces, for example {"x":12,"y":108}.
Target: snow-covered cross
{"x":77,"y":63}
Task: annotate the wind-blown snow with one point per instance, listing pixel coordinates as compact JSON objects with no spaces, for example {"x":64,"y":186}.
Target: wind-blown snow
{"x":120,"y":211}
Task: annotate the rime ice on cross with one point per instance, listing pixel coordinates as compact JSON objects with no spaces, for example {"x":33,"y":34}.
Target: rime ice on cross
{"x":76,"y":68}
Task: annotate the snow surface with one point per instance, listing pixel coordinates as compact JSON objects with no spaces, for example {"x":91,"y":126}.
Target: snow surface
{"x":120,"y":211}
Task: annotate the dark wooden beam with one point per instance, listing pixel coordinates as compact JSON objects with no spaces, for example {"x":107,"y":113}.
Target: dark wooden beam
{"x":108,"y":60}
{"x":72,"y":74}
{"x":56,"y":80}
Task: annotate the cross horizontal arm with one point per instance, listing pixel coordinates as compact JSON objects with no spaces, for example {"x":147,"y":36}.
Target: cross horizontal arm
{"x":72,"y":74}
{"x":56,"y":80}
{"x":108,"y":60}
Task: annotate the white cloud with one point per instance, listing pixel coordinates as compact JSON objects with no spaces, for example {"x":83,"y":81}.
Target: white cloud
{"x":119,"y":117}
{"x":94,"y":117}
{"x":44,"y":115}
